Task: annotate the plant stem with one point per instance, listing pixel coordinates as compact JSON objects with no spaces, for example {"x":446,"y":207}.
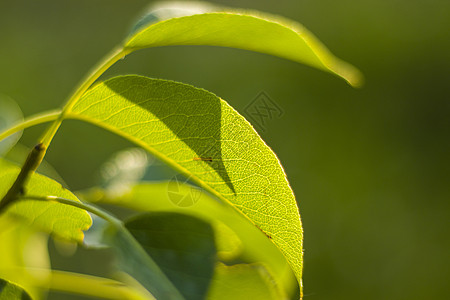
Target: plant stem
{"x":31,"y":121}
{"x":96,"y":72}
{"x":31,"y":163}
{"x":165,"y":287}
{"x":37,"y":154}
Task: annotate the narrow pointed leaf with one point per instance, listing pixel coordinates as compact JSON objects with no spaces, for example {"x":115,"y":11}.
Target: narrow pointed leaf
{"x":246,"y":30}
{"x":64,"y":221}
{"x":11,"y":291}
{"x":204,"y":138}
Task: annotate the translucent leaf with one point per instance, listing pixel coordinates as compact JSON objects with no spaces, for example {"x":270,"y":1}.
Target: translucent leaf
{"x":247,"y":30}
{"x":22,"y":251}
{"x":64,"y":221}
{"x":204,"y":138}
{"x":242,"y":282}
{"x":11,"y":291}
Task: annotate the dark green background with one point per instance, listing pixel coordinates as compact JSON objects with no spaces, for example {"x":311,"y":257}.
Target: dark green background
{"x":370,"y":167}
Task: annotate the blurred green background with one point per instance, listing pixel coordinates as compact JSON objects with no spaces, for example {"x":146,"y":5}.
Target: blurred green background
{"x":370,"y":167}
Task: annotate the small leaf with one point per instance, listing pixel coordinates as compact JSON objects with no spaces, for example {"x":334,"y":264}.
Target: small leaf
{"x":179,"y":123}
{"x":183,"y":247}
{"x":11,"y":291}
{"x":62,"y":220}
{"x":246,"y":30}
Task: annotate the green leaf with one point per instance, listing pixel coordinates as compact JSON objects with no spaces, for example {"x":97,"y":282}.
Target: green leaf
{"x":243,"y":244}
{"x":135,"y":261}
{"x":246,"y":30}
{"x":204,"y":138}
{"x":183,"y":247}
{"x":242,"y":282}
{"x":63,"y":221}
{"x":22,"y":252}
{"x":11,"y":291}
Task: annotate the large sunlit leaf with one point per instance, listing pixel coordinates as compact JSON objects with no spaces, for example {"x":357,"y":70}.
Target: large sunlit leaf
{"x":183,"y":247}
{"x":64,"y":221}
{"x":247,"y":30}
{"x":11,"y":291}
{"x":204,"y":138}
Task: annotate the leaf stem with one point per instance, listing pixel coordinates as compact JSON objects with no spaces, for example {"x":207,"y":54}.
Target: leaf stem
{"x":115,"y":55}
{"x":31,"y":121}
{"x":165,"y":286}
{"x":31,"y":163}
{"x":37,"y":154}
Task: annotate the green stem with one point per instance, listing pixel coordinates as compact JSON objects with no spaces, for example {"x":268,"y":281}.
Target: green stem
{"x":96,"y":72}
{"x":165,"y":286}
{"x":31,"y":163}
{"x":31,"y":121}
{"x":34,"y":160}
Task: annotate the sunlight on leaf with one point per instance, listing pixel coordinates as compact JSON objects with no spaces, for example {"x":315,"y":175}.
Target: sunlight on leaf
{"x":64,"y":221}
{"x":23,"y":250}
{"x":248,"y":30}
{"x":241,"y":282}
{"x":180,"y":124}
{"x":11,"y":291}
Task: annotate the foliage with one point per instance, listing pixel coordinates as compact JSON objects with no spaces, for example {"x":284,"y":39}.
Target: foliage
{"x":240,"y":237}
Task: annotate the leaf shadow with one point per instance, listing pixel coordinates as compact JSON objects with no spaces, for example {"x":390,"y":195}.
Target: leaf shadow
{"x":193,"y":115}
{"x":183,"y":246}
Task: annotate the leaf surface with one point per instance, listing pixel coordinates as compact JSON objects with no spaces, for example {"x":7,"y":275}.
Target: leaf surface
{"x":183,"y":247}
{"x":204,"y":138}
{"x":243,"y":281}
{"x":23,"y":250}
{"x":248,"y":30}
{"x":132,"y":259}
{"x":64,"y":221}
{"x":11,"y":291}
{"x":241,"y":241}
